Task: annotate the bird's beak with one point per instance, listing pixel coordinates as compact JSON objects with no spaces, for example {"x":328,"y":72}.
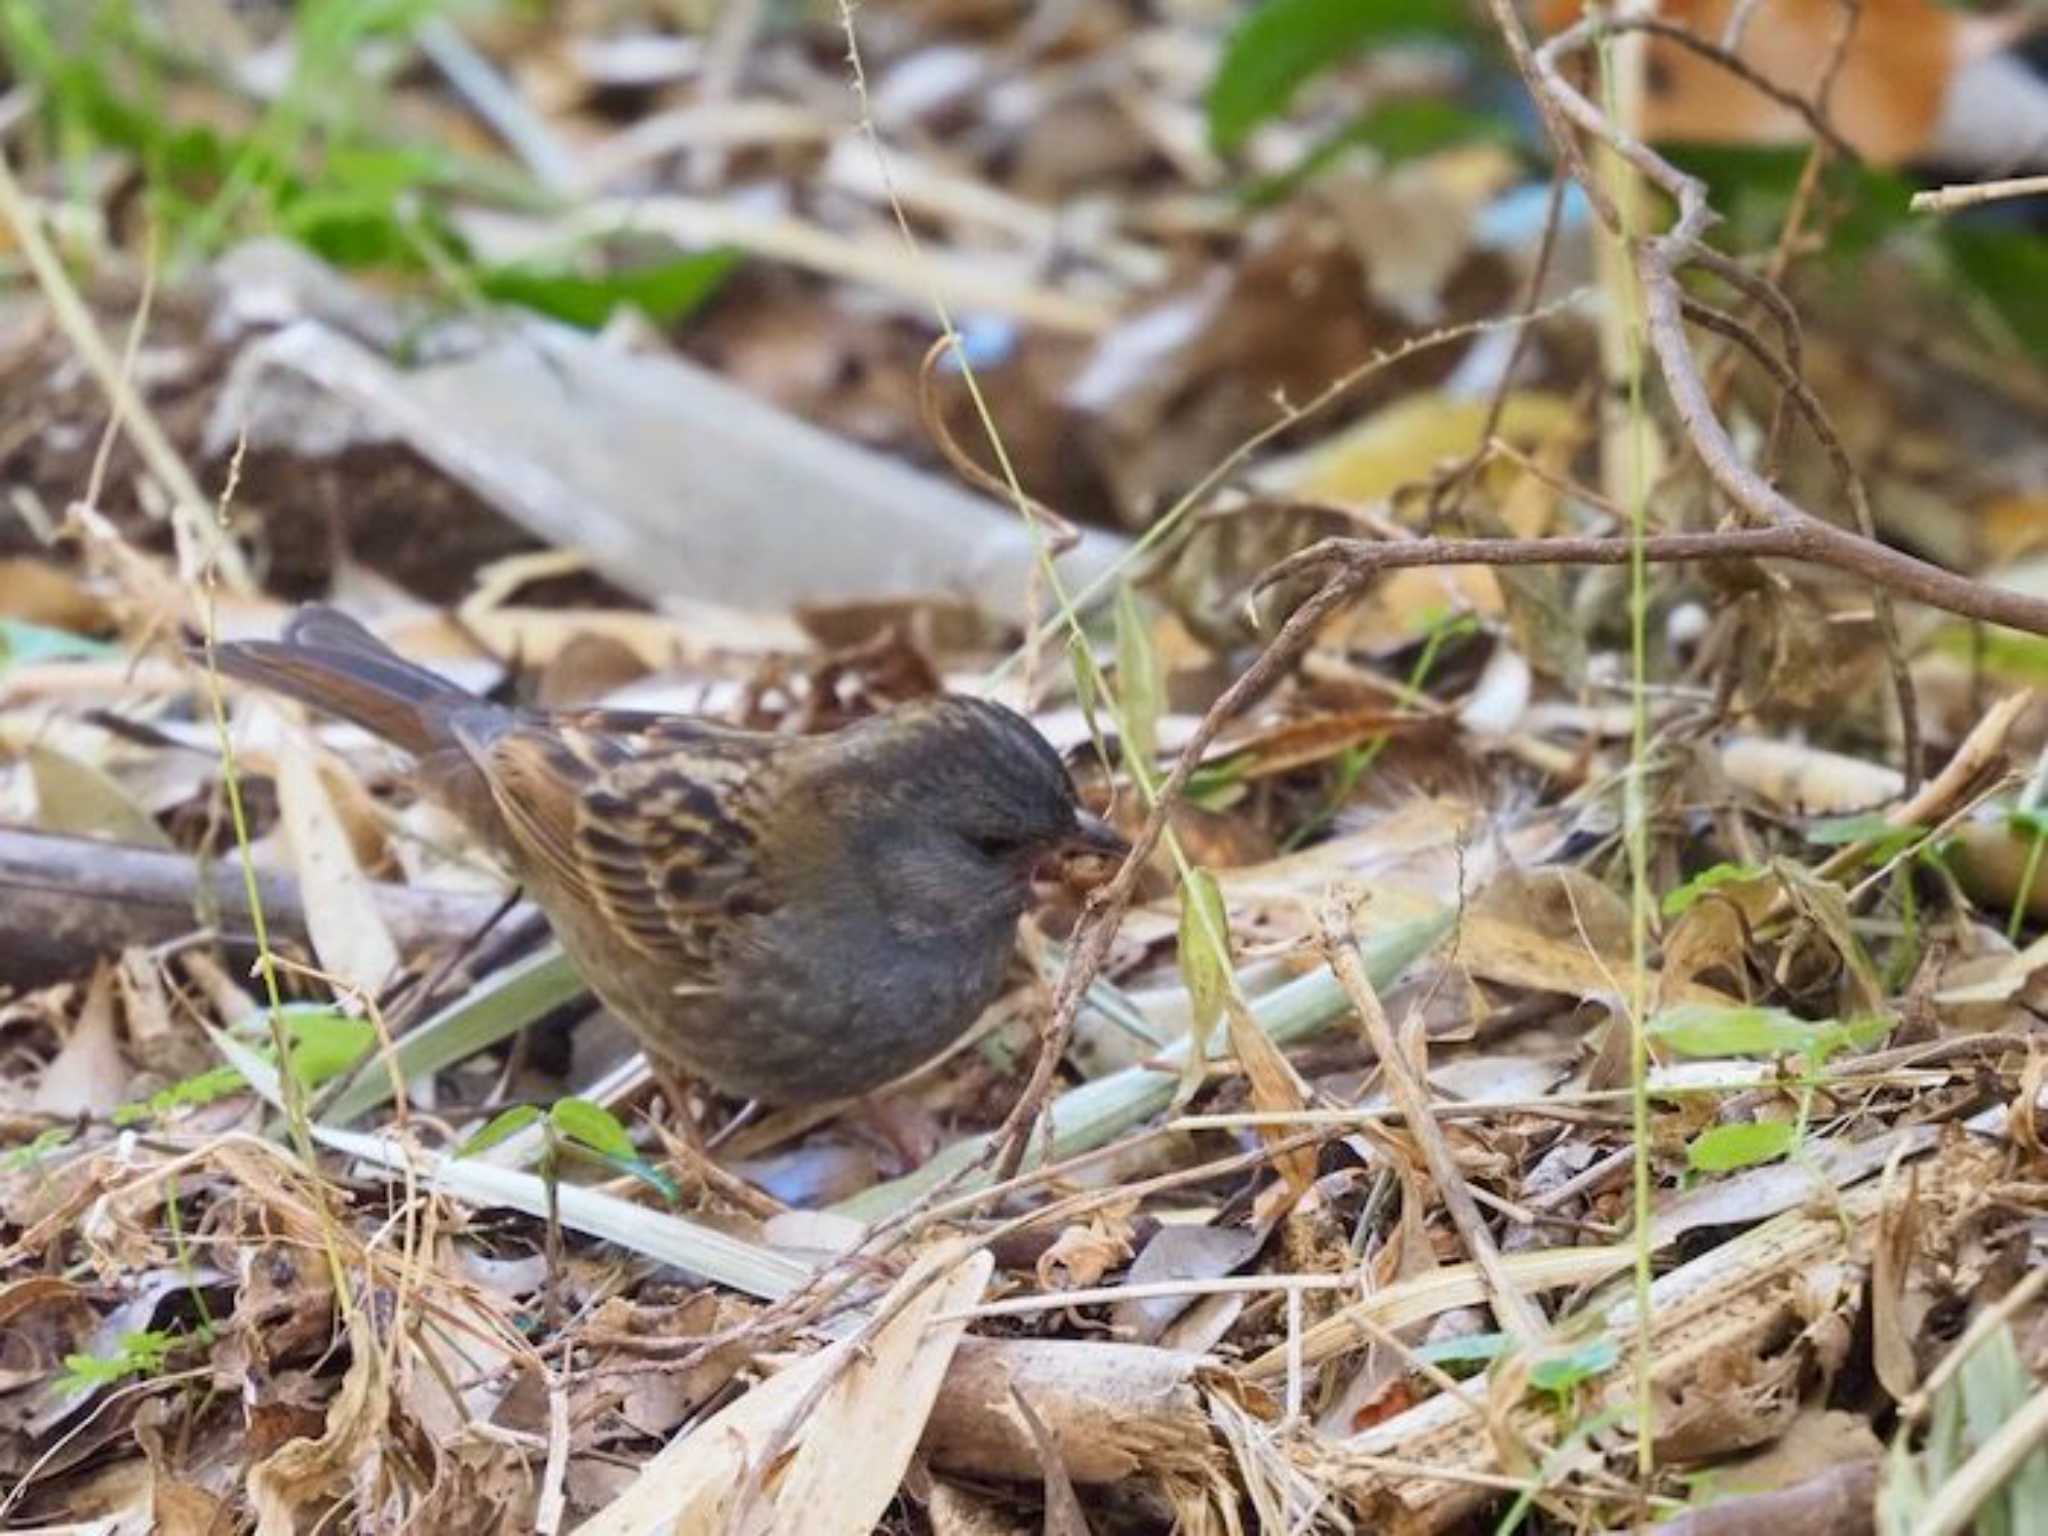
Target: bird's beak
{"x":1094,"y":835}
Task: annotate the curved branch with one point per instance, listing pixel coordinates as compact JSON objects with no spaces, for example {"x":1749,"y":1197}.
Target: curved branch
{"x":1806,"y":539}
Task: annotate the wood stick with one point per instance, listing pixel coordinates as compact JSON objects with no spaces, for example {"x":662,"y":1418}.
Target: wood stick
{"x":66,"y":901}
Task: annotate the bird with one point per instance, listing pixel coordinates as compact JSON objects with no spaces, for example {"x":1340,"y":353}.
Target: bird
{"x":789,"y":919}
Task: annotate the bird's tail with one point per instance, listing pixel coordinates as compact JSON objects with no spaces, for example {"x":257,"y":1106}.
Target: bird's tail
{"x":328,"y":660}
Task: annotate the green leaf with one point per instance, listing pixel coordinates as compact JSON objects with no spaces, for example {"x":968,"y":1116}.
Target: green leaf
{"x":1725,"y":1147}
{"x":2027,"y":822}
{"x":503,"y":1002}
{"x":665,"y":292}
{"x":1681,"y":900}
{"x":141,"y":1354}
{"x":1081,"y":664}
{"x":2001,"y":653}
{"x":1466,"y":1349}
{"x":1140,"y":691}
{"x":593,"y":1126}
{"x":1559,"y":1374}
{"x":1285,"y":42}
{"x":502,"y":1127}
{"x":1754,"y":185}
{"x":29,"y":1155}
{"x":1714,"y":1029}
{"x":1870,"y":826}
{"x":326,"y":1043}
{"x":203,"y":1088}
{"x":350,"y":229}
{"x":1219,"y":785}
{"x":377,"y":171}
{"x":639,"y":1168}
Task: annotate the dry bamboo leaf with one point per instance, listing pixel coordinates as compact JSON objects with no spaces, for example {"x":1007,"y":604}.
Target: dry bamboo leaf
{"x":1805,"y":779}
{"x":136,"y":1518}
{"x":1275,"y":1089}
{"x":1898,"y":1234}
{"x":1208,"y":970}
{"x":87,"y":1075}
{"x":158,"y":1039}
{"x":1182,"y":1251}
{"x":1841,"y":1501}
{"x":1401,"y":445}
{"x":349,"y":935}
{"x":75,"y":797}
{"x":1501,"y":950}
{"x":853,"y":1448}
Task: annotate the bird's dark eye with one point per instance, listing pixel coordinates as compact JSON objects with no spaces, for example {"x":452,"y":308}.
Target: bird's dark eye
{"x":995,"y":845}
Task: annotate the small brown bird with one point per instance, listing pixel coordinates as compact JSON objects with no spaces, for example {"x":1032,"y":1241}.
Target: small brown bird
{"x":789,"y":918}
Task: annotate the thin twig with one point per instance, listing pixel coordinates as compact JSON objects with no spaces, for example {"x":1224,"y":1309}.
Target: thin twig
{"x":1970,"y":194}
{"x":1809,"y":540}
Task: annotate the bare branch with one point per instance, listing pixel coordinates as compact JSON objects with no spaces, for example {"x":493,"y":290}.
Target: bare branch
{"x":1808,"y":539}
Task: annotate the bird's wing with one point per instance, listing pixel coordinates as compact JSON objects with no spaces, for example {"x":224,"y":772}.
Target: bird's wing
{"x":651,"y":822}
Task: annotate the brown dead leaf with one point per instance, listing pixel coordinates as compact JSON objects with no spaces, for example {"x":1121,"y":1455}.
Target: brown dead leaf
{"x":1303,"y":742}
{"x":1825,"y":906}
{"x":306,"y":1472}
{"x":1086,"y":1251}
{"x":586,"y":671}
{"x":1276,"y":1088}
